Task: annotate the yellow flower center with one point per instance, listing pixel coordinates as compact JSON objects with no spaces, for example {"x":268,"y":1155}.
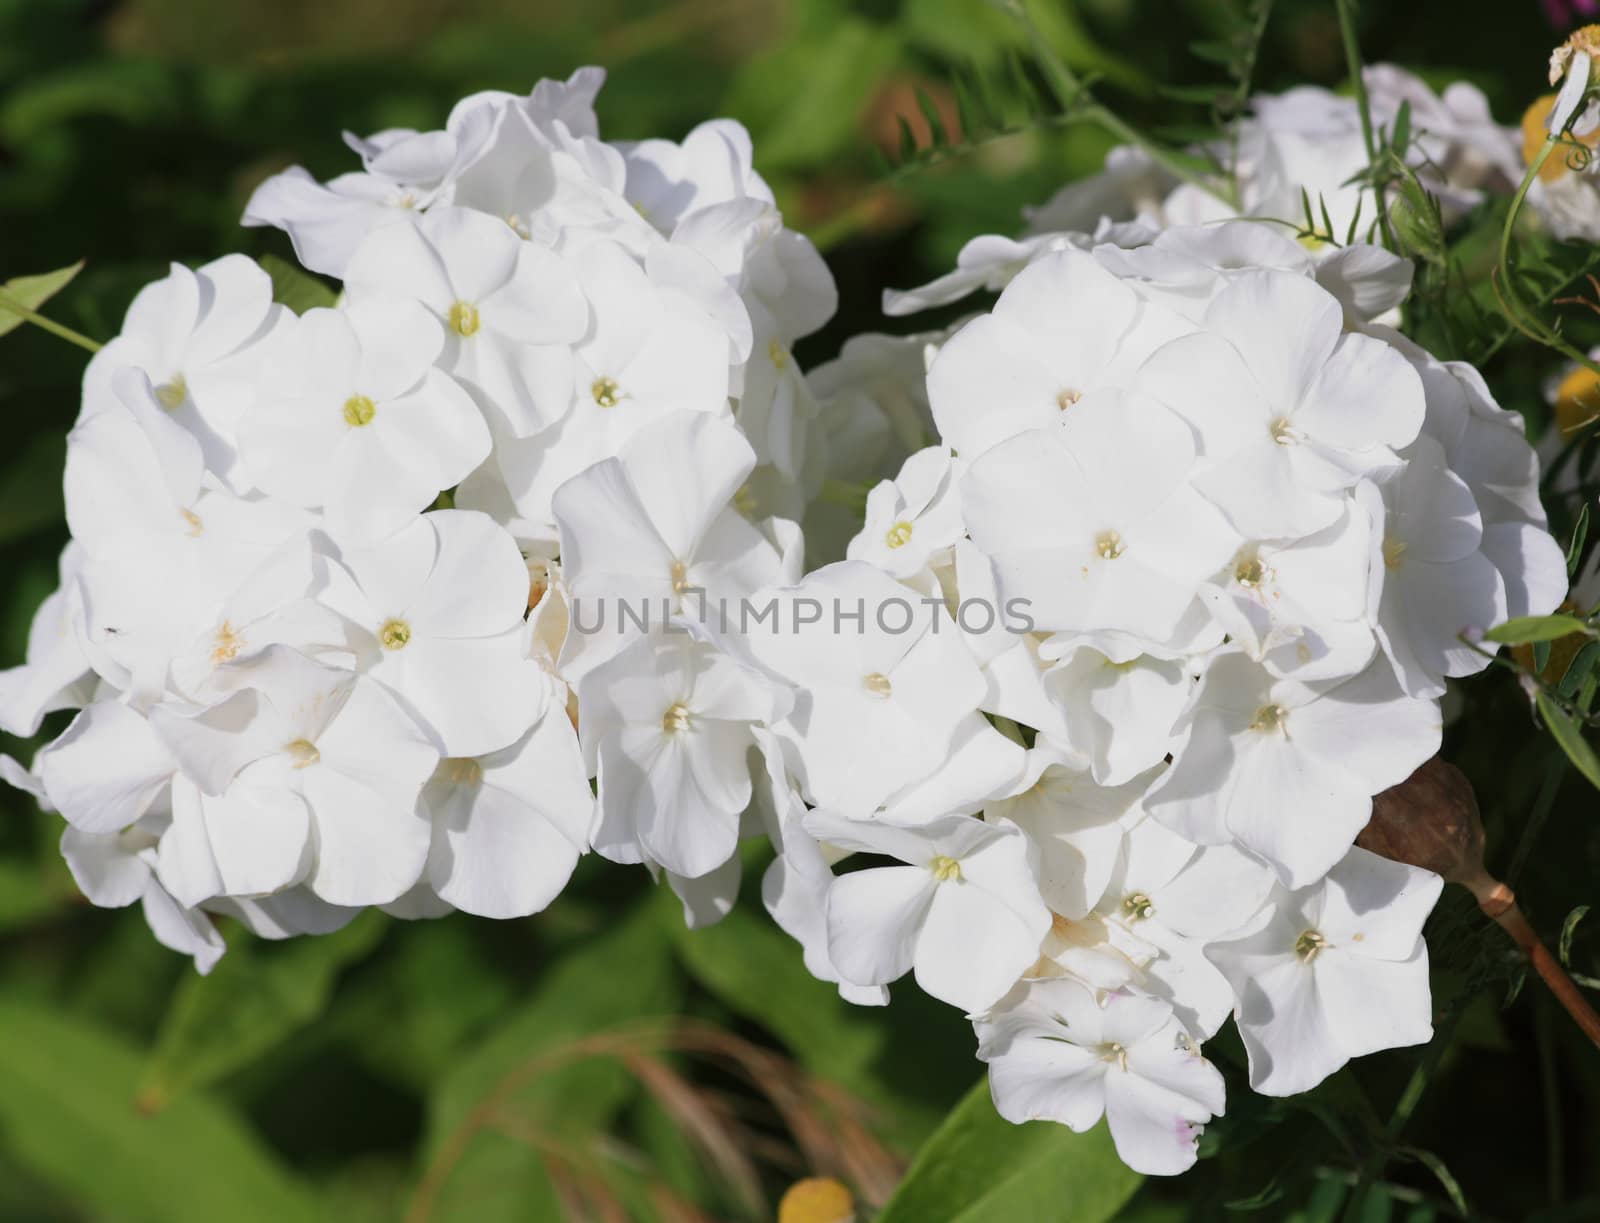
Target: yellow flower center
{"x":745,"y":500}
{"x":899,"y":535}
{"x":1138,"y":906}
{"x":196,"y":525}
{"x":462,"y":771}
{"x":464,"y":320}
{"x":225,"y":645}
{"x":394,"y":635}
{"x":1067,"y":398}
{"x":945,"y":869}
{"x":1112,"y":1052}
{"x":605,"y":392}
{"x":1283,"y":432}
{"x":877,"y":683}
{"x":1577,"y":400}
{"x":676,"y":718}
{"x":777,"y":354}
{"x":1269,"y":718}
{"x":302,"y":753}
{"x":1109,"y":545}
{"x":171,"y":393}
{"x":1394,"y":552}
{"x":1308,"y":945}
{"x":358,"y":411}
{"x":680,"y":578}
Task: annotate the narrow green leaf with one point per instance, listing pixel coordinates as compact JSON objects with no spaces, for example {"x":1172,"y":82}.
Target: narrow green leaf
{"x":937,"y":137}
{"x":1568,"y":929}
{"x":257,"y":996}
{"x":67,"y":1112}
{"x":296,"y":288}
{"x":1524,"y":629}
{"x":1401,"y":135}
{"x":1580,"y":534}
{"x":979,"y":1168}
{"x":33,"y":291}
{"x":1578,"y":670}
{"x":908,"y":139}
{"x":1569,"y":735}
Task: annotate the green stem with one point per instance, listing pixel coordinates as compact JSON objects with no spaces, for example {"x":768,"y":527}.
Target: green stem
{"x":1074,"y":96}
{"x":1516,"y":311}
{"x":1369,"y":135}
{"x":11,"y":305}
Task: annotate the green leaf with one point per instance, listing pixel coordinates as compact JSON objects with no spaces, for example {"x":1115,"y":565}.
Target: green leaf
{"x":1569,"y":735}
{"x":618,"y":977}
{"x":1568,"y":929}
{"x":31,"y":292}
{"x":1524,"y":629}
{"x":257,"y":996}
{"x":67,"y":1112}
{"x":1580,"y":533}
{"x":979,"y":1168}
{"x":296,"y":288}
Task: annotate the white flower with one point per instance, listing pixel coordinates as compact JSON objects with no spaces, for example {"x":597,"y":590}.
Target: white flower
{"x":963,"y":913}
{"x":1300,"y":607}
{"x":200,"y":338}
{"x":443,"y":602}
{"x":1289,"y":410}
{"x":509,"y":308}
{"x":308,"y":774}
{"x":883,"y":681}
{"x":667,"y":724}
{"x":1056,"y":1054}
{"x":654,"y":531}
{"x":56,"y":674}
{"x":1119,"y":712}
{"x":359,"y":422}
{"x":1430,"y":579}
{"x":1332,"y":971}
{"x":1062,"y":329}
{"x":1176,"y":897}
{"x":163,"y":548}
{"x":911,"y":518}
{"x":1078,"y":826}
{"x":1286,"y":770}
{"x":1094,"y":520}
{"x":508,"y":826}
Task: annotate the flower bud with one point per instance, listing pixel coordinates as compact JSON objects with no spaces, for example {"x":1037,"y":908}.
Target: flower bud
{"x":1430,"y":820}
{"x":817,"y":1199}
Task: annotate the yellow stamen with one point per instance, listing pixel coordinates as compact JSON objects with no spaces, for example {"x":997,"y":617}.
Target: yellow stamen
{"x":1109,"y":545}
{"x":359,"y":410}
{"x":1309,"y":944}
{"x":302,"y":753}
{"x":899,"y":535}
{"x":605,"y":392}
{"x":945,"y":870}
{"x":1394,"y":551}
{"x":1269,"y":718}
{"x":464,"y":320}
{"x":394,"y":635}
{"x":173,"y":392}
{"x":877,"y":683}
{"x":676,"y":718}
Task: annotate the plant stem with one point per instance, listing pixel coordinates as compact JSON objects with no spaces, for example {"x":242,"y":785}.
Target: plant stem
{"x":11,"y":305}
{"x":1516,"y":312}
{"x":1358,"y":82}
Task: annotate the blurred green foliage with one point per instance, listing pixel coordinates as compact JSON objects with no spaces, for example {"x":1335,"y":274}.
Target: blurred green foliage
{"x":588,"y":1060}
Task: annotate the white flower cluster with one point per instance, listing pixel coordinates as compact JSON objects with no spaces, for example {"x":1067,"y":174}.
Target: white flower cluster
{"x":1081,"y":732}
{"x":315,"y":612}
{"x":1234,"y":530}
